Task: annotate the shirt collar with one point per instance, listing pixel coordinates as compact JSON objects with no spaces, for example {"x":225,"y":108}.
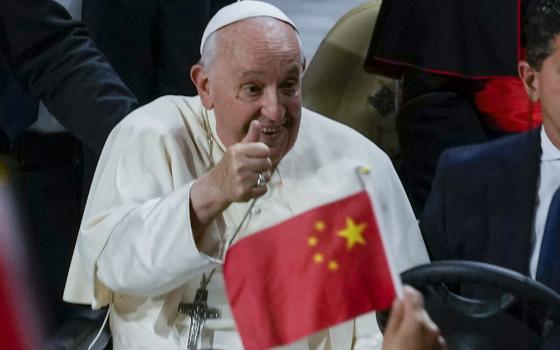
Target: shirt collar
{"x":549,"y":151}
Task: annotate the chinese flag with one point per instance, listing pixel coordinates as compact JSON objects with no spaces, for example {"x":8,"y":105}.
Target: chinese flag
{"x":320,"y":268}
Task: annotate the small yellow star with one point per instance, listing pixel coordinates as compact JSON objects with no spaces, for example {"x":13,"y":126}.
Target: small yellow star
{"x":364,"y":170}
{"x":320,"y":226}
{"x":333,"y":265}
{"x":318,"y":258}
{"x":353,"y":233}
{"x":312,"y":241}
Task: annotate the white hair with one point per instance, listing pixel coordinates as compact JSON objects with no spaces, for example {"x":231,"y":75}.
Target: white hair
{"x":209,"y":51}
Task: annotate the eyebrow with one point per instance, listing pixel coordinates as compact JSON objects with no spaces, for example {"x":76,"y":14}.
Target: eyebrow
{"x":294,"y":69}
{"x":251,"y":73}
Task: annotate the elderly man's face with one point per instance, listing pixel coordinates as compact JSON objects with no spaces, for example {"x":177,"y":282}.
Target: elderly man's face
{"x":548,"y":88}
{"x":544,"y":85}
{"x":257,"y":76}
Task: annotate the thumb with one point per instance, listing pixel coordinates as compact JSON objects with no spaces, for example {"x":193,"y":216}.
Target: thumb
{"x":254,"y":133}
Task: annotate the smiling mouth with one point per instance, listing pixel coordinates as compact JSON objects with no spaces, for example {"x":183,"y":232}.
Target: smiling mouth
{"x":269,"y":131}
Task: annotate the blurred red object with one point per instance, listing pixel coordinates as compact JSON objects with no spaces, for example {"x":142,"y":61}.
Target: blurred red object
{"x":504,"y":104}
{"x":20,"y":328}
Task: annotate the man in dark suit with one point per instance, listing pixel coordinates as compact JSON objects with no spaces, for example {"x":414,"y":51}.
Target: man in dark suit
{"x":490,"y":202}
{"x":46,"y":55}
{"x":453,"y":59}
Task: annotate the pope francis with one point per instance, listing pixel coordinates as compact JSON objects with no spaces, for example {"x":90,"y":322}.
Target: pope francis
{"x":179,"y":177}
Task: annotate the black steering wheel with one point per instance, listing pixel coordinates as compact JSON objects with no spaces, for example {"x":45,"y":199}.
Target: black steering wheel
{"x":479,"y":306}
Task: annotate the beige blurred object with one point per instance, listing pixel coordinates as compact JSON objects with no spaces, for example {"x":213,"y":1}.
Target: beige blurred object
{"x":336,"y":84}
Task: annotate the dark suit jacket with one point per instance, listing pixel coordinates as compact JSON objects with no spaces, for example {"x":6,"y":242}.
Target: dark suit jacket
{"x":483,"y":202}
{"x":54,"y":59}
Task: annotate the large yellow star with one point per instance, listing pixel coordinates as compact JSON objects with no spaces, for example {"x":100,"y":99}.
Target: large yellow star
{"x":353,"y":233}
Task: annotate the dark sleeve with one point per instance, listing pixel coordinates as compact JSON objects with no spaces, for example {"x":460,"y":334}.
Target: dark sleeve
{"x":432,"y":220}
{"x":18,"y":109}
{"x":54,"y":59}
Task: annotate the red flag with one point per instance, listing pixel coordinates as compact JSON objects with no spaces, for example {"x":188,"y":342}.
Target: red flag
{"x":320,"y":268}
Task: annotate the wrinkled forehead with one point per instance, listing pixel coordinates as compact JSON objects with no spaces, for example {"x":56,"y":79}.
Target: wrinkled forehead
{"x":243,"y":10}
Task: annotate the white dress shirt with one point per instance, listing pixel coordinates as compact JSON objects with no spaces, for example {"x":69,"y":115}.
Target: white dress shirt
{"x":549,"y":182}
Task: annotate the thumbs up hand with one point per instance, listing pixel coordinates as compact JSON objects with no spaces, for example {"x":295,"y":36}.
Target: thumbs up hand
{"x":254,"y":133}
{"x":233,"y":179}
{"x":237,"y":173}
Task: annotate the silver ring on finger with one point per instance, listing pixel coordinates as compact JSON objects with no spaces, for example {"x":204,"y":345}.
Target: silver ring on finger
{"x":261,"y":181}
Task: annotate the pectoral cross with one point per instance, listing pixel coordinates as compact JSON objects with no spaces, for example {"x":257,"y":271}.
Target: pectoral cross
{"x":199,"y":312}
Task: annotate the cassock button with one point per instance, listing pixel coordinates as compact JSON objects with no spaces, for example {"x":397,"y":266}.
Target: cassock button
{"x":256,"y":211}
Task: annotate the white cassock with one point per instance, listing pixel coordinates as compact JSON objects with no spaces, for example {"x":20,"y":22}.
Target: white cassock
{"x":136,"y":251}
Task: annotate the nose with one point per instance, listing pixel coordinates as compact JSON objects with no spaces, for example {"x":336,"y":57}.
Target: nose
{"x":272,"y":106}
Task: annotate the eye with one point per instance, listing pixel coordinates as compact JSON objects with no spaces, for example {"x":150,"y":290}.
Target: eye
{"x":290,"y":87}
{"x":251,"y":89}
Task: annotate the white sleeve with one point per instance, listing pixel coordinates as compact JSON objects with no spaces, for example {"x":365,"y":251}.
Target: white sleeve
{"x":399,"y":227}
{"x":402,"y":237}
{"x":136,"y":235}
{"x":367,"y":334}
{"x":152,"y":249}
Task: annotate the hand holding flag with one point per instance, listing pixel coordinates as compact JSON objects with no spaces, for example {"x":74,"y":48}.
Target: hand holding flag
{"x":410,"y":326}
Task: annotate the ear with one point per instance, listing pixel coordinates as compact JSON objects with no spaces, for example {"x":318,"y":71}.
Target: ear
{"x":530,"y":79}
{"x":199,"y":77}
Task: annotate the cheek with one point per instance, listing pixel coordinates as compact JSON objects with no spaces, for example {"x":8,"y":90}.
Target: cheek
{"x":549,"y":85}
{"x":241,"y":120}
{"x":232,"y":124}
{"x":294,"y":130}
{"x":294,"y":102}
{"x":237,"y":115}
{"x":293,"y":107}
{"x":550,"y":95}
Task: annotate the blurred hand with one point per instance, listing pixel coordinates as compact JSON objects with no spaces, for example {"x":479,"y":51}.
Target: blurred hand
{"x":410,"y":326}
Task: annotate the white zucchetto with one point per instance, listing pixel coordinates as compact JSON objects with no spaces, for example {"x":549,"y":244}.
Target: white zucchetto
{"x":239,"y":11}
